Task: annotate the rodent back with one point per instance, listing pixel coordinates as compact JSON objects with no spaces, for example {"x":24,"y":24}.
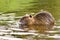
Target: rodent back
{"x":44,"y":18}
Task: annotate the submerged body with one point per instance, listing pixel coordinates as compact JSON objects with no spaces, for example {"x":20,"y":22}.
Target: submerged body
{"x":41,"y":22}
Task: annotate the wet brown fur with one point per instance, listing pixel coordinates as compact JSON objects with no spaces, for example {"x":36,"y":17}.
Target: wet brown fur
{"x":41,"y":22}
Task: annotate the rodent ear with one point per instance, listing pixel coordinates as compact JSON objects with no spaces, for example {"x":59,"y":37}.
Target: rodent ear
{"x":30,"y":16}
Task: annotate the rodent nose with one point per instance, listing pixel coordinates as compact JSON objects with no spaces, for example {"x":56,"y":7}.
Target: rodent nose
{"x":22,"y":22}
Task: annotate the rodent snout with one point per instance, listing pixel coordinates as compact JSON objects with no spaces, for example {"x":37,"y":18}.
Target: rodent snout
{"x":22,"y":22}
{"x":23,"y":25}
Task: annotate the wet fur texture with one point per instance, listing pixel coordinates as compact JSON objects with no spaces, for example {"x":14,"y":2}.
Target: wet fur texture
{"x":41,"y":22}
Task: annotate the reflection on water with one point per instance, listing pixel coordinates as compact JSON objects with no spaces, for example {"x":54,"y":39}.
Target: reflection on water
{"x":9,"y":25}
{"x":9,"y":29}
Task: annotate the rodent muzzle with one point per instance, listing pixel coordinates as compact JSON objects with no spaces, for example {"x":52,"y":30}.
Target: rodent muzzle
{"x":23,"y":25}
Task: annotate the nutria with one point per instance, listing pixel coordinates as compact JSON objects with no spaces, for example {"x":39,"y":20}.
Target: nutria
{"x":41,"y":22}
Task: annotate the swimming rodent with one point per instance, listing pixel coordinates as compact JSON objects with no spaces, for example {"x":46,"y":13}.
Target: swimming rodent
{"x":42,"y":21}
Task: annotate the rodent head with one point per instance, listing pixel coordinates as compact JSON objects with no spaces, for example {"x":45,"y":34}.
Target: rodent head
{"x":26,"y":20}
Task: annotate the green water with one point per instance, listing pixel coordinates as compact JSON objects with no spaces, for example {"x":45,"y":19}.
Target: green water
{"x":21,"y":7}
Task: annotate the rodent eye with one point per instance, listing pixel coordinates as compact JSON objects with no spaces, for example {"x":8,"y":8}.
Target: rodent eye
{"x":30,"y":16}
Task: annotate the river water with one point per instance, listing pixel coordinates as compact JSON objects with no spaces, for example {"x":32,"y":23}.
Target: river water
{"x":12,"y":10}
{"x":9,"y":30}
